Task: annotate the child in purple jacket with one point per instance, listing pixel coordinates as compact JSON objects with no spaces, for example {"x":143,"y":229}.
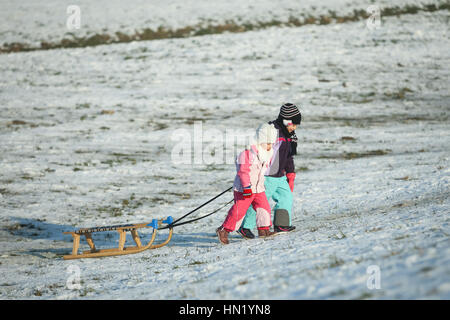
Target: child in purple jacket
{"x":280,"y":176}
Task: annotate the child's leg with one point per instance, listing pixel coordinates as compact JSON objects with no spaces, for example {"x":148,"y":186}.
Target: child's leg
{"x":249,"y":221}
{"x":284,"y":201}
{"x":237,"y":212}
{"x":250,"y":217}
{"x":262,"y":207}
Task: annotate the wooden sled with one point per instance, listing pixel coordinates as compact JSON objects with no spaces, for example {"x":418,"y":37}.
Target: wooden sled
{"x":121,"y":249}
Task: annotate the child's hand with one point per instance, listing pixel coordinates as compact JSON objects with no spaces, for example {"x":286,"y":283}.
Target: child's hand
{"x":247,"y":192}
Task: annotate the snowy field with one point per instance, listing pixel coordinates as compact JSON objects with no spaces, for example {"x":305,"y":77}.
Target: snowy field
{"x":87,"y":138}
{"x":30,"y":23}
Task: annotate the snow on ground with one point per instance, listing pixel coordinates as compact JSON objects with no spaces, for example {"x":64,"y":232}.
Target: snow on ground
{"x":31,"y":22}
{"x":87,"y":137}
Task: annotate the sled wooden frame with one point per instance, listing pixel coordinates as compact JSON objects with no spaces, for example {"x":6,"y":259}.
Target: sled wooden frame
{"x":121,"y":249}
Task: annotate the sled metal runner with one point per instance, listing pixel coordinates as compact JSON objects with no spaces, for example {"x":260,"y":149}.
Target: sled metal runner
{"x":122,"y":230}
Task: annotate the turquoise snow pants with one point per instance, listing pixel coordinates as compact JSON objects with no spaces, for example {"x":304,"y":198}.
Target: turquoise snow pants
{"x":277,"y":188}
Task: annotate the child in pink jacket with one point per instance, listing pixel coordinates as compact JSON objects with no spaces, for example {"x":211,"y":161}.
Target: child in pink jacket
{"x":249,"y":190}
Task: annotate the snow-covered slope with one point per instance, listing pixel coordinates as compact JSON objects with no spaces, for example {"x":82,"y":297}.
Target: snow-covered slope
{"x":87,"y":137}
{"x":30,"y":23}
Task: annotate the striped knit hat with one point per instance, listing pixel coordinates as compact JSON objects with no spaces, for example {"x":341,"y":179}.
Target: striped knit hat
{"x":289,"y":111}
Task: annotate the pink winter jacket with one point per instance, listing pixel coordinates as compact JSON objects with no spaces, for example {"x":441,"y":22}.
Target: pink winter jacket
{"x":250,"y":171}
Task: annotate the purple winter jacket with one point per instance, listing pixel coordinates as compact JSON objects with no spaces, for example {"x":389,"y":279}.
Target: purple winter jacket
{"x":282,"y":161}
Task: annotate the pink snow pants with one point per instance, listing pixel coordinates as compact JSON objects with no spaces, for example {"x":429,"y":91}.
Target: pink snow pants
{"x":237,"y":212}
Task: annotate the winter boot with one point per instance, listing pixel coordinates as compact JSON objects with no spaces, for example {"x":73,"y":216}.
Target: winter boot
{"x":283,"y":229}
{"x":223,"y":235}
{"x":281,"y":218}
{"x":246,"y":233}
{"x":264,"y":233}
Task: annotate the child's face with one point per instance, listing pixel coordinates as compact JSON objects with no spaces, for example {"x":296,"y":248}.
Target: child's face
{"x":266,"y":146}
{"x":291,"y":127}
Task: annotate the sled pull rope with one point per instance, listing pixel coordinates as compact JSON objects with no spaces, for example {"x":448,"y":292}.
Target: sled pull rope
{"x":174,"y":223}
{"x":189,"y":221}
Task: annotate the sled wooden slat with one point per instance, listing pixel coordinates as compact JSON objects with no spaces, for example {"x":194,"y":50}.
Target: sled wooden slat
{"x":122,"y":239}
{"x":121,"y":249}
{"x":90,"y":241}
{"x":76,"y":243}
{"x":136,"y":238}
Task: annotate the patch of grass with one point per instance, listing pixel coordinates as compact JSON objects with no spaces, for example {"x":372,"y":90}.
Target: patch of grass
{"x":335,"y":262}
{"x":339,"y":236}
{"x":365,"y":295}
{"x":194,"y":263}
{"x":374,"y":229}
{"x":347,"y":138}
{"x":119,"y":159}
{"x":426,"y":269}
{"x":391,"y":254}
{"x":111,"y":211}
{"x":126,"y":206}
{"x":107,"y":112}
{"x":399,"y":94}
{"x":181,"y":195}
{"x":405,"y":236}
{"x":159,"y":200}
{"x":19,"y":123}
{"x":85,"y":291}
{"x":405,"y":178}
{"x":339,"y":292}
{"x":356,"y":155}
{"x":401,"y":205}
{"x":7,"y":192}
{"x":17,"y":226}
{"x":83,"y":106}
{"x":133,"y":202}
{"x":159,"y":177}
{"x":158,"y":125}
{"x":212,"y":167}
{"x":79,"y":151}
{"x":37,"y":293}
